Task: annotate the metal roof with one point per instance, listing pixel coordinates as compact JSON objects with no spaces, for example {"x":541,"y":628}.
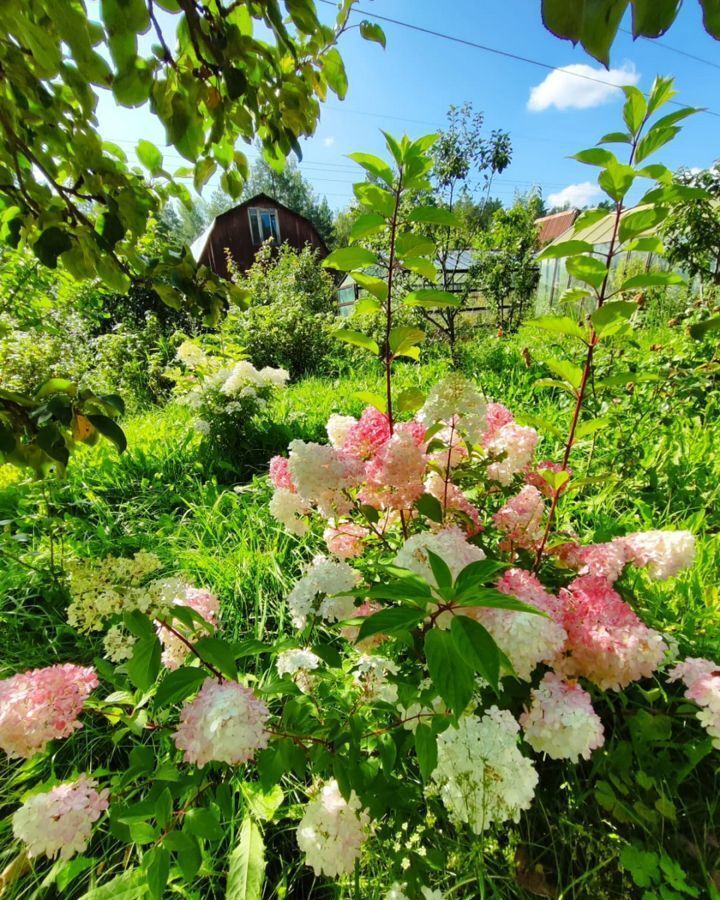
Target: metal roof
{"x":601,"y":232}
{"x":551,"y":227}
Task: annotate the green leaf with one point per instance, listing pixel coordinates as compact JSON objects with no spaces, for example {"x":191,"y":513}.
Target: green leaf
{"x":302,"y":13}
{"x":700,"y":329}
{"x":655,"y":138}
{"x":635,"y":223}
{"x":425,"y":750}
{"x":110,"y":429}
{"x":368,"y":223}
{"x":477,"y":647}
{"x":143,"y":666}
{"x":595,"y":156}
{"x":431,"y":298}
{"x":149,"y":156}
{"x":186,"y":850}
{"x":424,"y":267}
{"x":450,"y":674}
{"x":130,"y":885}
{"x":203,"y":822}
{"x":218,"y":653}
{"x":333,"y":70}
{"x":588,"y":269}
{"x":635,"y":108}
{"x":573,"y":295}
{"x":347,"y":258}
{"x":375,"y":286}
{"x":616,"y":180}
{"x":589,"y":218}
{"x":375,"y":166}
{"x":651,"y":18}
{"x":394,"y":620}
{"x":651,"y":279}
{"x":478,"y":573}
{"x":375,"y":198}
{"x":590,"y":426}
{"x":412,"y":245}
{"x":179,"y":684}
{"x":366,"y":306}
{"x":616,"y":137}
{"x":433,"y":215}
{"x":357,"y":339}
{"x":56,"y":386}
{"x":51,"y":244}
{"x":157,"y":868}
{"x":662,"y":90}
{"x":370,"y":31}
{"x":566,"y":370}
{"x":376,"y":400}
{"x":649,"y":244}
{"x":410,"y":400}
{"x":441,"y":571}
{"x":430,"y":507}
{"x":612,"y":317}
{"x":246,"y":872}
{"x":404,"y":340}
{"x":565,"y":248}
{"x":559,"y":325}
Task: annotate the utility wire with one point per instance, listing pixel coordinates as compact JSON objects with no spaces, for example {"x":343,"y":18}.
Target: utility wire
{"x":666,"y":46}
{"x":495,"y":50}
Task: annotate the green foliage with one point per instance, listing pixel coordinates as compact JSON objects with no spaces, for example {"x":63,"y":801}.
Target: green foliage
{"x":691,"y":231}
{"x":291,"y":311}
{"x":595,"y":24}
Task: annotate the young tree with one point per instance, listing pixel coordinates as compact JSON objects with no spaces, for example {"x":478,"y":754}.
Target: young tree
{"x":692,"y":231}
{"x":464,"y":160}
{"x":505,"y":268}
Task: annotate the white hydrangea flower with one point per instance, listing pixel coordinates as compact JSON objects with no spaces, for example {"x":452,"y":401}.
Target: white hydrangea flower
{"x":289,"y":662}
{"x":337,"y":429}
{"x":331,"y":831}
{"x":450,"y":545}
{"x":287,"y":508}
{"x":190,"y":355}
{"x":325,"y":577}
{"x":481,"y":775}
{"x":664,"y":553}
{"x":321,"y":476}
{"x":561,"y":721}
{"x":118,"y":644}
{"x":371,"y":673}
{"x":456,"y":400}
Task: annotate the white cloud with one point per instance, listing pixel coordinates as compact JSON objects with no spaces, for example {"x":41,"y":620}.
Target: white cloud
{"x":564,"y":90}
{"x":577,"y":195}
{"x":328,"y":141}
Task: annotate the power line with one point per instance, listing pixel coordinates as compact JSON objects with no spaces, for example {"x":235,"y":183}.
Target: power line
{"x":495,"y":50}
{"x":670,"y":47}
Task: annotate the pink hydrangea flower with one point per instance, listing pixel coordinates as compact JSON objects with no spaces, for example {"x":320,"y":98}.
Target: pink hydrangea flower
{"x":322,"y":476}
{"x":394,"y":477}
{"x":60,"y":821}
{"x":607,"y":643}
{"x":511,"y":448}
{"x":416,"y":429}
{"x":205,"y":604}
{"x":561,"y":721}
{"x":224,"y":722}
{"x":367,"y":435}
{"x":702,"y":680}
{"x":42,"y":705}
{"x":345,"y":539}
{"x":496,"y":417}
{"x":602,"y":560}
{"x":280,"y":476}
{"x":521,"y":518}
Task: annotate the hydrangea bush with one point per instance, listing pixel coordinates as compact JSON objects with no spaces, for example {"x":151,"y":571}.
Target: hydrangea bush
{"x":449,"y":642}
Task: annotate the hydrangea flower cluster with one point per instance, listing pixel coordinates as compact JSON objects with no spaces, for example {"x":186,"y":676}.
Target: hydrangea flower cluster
{"x":332,"y":830}
{"x":481,"y":775}
{"x":207,"y":606}
{"x":42,"y":705}
{"x":561,"y":721}
{"x":224,"y":722}
{"x":298,"y":663}
{"x":702,"y":680}
{"x":59,"y":822}
{"x":325,"y":578}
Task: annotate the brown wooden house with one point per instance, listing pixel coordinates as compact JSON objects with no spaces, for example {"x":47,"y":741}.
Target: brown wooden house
{"x":244,"y":228}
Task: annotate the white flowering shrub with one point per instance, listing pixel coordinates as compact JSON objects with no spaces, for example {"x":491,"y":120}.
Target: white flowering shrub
{"x":447,"y":645}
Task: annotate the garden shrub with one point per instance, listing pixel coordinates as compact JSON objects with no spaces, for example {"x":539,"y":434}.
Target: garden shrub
{"x":292,"y":309}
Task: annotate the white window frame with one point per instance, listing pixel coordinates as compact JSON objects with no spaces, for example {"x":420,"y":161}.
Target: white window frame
{"x":255,"y":214}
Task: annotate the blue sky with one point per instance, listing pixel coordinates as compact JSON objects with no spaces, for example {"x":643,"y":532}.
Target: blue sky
{"x":409,"y":86}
